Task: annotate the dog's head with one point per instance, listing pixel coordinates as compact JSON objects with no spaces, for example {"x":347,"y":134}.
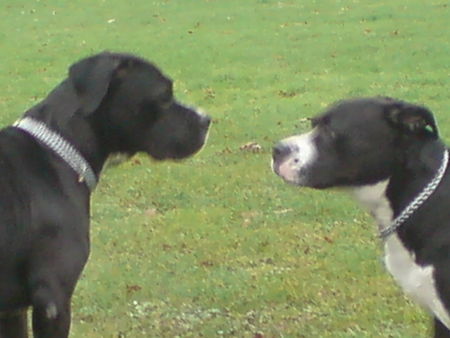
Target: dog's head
{"x":355,"y":142}
{"x":131,"y":106}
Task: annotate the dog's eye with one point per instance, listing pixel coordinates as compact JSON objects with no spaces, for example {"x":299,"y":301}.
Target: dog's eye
{"x":318,"y":121}
{"x":165,"y":103}
{"x":332,"y":133}
{"x":327,"y":131}
{"x":165,"y":100}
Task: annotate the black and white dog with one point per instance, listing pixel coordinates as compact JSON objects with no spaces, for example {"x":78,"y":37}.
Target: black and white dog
{"x":389,"y":154}
{"x":50,"y":161}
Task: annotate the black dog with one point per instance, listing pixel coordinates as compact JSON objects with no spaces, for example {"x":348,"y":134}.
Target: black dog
{"x":49,"y":163}
{"x":389,"y":153}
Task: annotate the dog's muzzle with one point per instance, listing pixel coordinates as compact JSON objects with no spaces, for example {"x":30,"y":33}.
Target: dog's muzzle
{"x":280,"y":151}
{"x":286,"y":161}
{"x":292,"y":157}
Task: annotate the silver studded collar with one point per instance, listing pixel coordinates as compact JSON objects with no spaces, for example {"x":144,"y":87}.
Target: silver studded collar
{"x":61,"y":147}
{"x":420,"y":199}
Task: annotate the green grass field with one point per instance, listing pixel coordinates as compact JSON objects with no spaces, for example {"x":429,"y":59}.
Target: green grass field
{"x":218,"y":246}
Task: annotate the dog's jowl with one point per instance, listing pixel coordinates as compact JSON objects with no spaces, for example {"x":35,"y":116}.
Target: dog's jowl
{"x":388,"y":153}
{"x":50,"y":161}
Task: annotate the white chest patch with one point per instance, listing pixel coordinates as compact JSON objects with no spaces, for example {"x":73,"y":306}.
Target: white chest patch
{"x":417,"y":281}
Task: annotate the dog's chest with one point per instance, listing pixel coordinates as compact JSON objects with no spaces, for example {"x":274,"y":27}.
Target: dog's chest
{"x":417,"y":281}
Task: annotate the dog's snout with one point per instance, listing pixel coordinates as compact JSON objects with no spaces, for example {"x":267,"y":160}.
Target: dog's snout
{"x":205,"y":121}
{"x":280,"y":150}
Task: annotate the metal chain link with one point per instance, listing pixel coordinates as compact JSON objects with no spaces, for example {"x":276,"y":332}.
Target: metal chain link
{"x":61,"y":147}
{"x":418,"y":201}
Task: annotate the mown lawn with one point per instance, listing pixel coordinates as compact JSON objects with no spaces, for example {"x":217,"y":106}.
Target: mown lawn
{"x":218,"y":245}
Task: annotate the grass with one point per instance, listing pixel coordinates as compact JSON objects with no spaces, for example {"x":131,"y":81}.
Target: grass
{"x":218,"y":246}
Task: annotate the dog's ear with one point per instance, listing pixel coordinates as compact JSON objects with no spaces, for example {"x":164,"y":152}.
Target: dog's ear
{"x":412,"y":119}
{"x":91,"y":78}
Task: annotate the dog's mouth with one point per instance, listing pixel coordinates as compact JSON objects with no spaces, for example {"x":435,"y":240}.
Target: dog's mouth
{"x":291,"y":178}
{"x":177,"y":150}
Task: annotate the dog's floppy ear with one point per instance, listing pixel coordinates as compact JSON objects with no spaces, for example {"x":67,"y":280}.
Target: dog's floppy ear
{"x":91,"y":77}
{"x":412,"y":119}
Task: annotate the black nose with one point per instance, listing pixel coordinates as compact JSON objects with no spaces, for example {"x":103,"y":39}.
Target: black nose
{"x":280,"y":150}
{"x":205,"y":121}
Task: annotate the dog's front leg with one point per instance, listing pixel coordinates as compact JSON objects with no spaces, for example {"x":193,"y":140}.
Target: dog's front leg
{"x":49,"y":324}
{"x":51,"y":305}
{"x":52,"y":276}
{"x":14,"y":325}
{"x":51,"y":291}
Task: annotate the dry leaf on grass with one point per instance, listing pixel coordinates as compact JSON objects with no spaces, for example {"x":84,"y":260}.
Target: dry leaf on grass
{"x":151,"y":212}
{"x":251,"y":146}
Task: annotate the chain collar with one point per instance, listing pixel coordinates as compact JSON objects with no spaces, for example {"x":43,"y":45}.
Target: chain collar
{"x":418,"y":201}
{"x":61,"y":147}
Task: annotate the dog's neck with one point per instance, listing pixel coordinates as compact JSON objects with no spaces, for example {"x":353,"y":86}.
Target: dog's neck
{"x":402,"y":191}
{"x":416,"y":170}
{"x":419,"y":199}
{"x":59,"y":113}
{"x":373,"y":199}
{"x":61,"y":147}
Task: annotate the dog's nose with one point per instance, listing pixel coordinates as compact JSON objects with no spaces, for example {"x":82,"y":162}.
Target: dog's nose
{"x":205,"y":121}
{"x":280,"y":150}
